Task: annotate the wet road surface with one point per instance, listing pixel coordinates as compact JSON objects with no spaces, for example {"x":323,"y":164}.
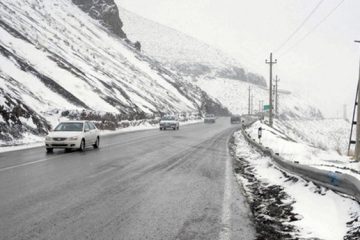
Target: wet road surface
{"x":140,"y":185}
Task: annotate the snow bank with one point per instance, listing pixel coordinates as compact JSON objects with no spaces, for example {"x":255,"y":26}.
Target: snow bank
{"x":323,"y":213}
{"x":301,"y":151}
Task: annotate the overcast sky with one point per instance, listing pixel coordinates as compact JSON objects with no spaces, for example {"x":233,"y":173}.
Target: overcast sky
{"x":323,"y":67}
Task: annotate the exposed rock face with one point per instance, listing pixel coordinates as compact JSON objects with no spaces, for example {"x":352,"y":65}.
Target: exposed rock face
{"x":105,"y":11}
{"x":18,"y":118}
{"x":238,"y":73}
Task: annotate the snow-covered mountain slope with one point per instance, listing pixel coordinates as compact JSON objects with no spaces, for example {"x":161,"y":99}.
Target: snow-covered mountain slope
{"x":213,"y":71}
{"x":234,"y":95}
{"x":54,"y":57}
{"x":181,"y":52}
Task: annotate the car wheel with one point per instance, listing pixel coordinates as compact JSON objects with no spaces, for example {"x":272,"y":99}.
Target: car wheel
{"x":97,"y":143}
{"x":82,"y":146}
{"x":49,"y":150}
{"x":161,"y":129}
{"x":178,"y":127}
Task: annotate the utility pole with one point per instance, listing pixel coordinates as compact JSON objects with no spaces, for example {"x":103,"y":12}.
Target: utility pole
{"x":252,"y":104}
{"x":249,"y":110}
{"x":271,"y":62}
{"x":276,"y":96}
{"x":357,"y":146}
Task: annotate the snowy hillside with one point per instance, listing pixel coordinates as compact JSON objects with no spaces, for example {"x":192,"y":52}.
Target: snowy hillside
{"x":213,"y":71}
{"x":181,"y":52}
{"x":234,"y":95}
{"x":327,"y":134}
{"x":55,"y":57}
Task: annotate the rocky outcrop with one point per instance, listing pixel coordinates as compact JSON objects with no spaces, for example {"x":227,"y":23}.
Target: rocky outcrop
{"x":238,"y":73}
{"x":195,"y":70}
{"x":18,"y":118}
{"x":105,"y":11}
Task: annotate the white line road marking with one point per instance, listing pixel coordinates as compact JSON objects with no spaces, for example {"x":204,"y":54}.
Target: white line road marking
{"x":47,"y":159}
{"x":225,"y":233}
{"x":27,"y":163}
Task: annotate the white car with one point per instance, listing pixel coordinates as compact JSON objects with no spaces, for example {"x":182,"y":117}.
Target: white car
{"x":73,"y":135}
{"x":171,"y":122}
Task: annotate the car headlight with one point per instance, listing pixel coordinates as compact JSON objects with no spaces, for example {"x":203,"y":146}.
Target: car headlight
{"x":73,"y":138}
{"x":48,"y":139}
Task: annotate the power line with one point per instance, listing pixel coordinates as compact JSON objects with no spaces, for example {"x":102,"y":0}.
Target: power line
{"x":300,"y":26}
{"x":313,"y":29}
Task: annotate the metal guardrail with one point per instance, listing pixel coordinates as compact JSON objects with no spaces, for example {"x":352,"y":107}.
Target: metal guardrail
{"x":340,"y":182}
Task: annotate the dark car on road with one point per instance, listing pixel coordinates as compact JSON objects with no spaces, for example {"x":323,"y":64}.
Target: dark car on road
{"x":209,"y":118}
{"x":235,"y":119}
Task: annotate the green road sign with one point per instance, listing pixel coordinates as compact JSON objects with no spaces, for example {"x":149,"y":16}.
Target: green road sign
{"x":266,"y":107}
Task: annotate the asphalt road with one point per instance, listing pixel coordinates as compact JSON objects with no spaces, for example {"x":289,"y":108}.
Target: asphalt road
{"x":140,"y":185}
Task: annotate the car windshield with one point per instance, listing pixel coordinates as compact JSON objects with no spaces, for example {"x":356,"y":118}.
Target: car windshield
{"x":209,"y":115}
{"x":167,"y":118}
{"x":69,"y":127}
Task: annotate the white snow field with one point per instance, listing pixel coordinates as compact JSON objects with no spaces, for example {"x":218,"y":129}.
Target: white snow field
{"x":328,"y":134}
{"x":322,"y":214}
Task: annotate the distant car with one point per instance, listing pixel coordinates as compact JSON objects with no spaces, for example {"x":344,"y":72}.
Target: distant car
{"x":169,"y":122}
{"x":195,"y":116}
{"x":209,"y":118}
{"x":73,"y":135}
{"x":235,"y":119}
{"x":182,"y":118}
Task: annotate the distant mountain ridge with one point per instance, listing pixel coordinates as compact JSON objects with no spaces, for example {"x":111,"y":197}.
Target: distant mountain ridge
{"x":182,"y":53}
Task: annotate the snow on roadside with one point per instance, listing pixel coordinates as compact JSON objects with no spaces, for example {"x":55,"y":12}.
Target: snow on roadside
{"x":301,"y":151}
{"x":145,"y":126}
{"x":33,"y":141}
{"x":295,"y":207}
